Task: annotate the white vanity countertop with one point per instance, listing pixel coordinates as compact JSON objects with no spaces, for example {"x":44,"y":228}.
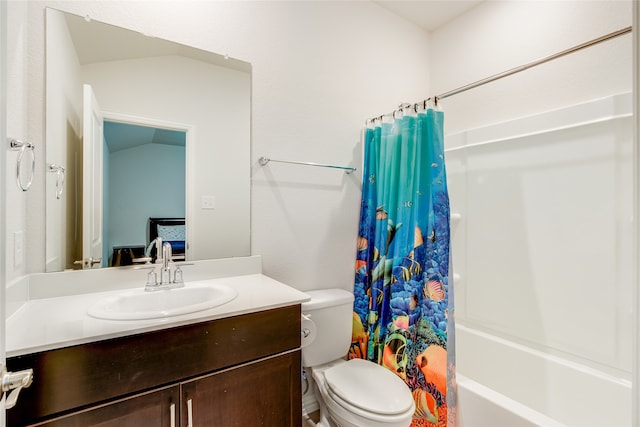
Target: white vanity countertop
{"x":50,"y":323}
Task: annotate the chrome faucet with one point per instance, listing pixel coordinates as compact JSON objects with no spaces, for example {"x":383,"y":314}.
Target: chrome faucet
{"x":166,"y":281}
{"x":165,"y":272}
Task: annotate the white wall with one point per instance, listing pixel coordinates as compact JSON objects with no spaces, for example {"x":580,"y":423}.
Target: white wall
{"x":18,"y":126}
{"x":319,"y":69}
{"x":543,"y":249}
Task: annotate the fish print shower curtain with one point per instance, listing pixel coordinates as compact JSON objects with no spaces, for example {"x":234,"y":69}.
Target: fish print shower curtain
{"x":403,"y":309}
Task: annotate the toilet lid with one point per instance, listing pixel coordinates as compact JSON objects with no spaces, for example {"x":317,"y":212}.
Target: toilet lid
{"x":369,"y":386}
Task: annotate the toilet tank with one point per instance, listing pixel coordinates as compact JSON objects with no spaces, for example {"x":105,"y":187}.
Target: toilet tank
{"x":328,"y":320}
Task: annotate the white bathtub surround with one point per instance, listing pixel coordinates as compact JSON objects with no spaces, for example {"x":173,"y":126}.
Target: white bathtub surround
{"x":543,"y":251}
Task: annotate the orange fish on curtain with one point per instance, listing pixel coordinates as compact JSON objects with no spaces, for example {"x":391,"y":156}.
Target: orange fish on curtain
{"x":403,"y":309}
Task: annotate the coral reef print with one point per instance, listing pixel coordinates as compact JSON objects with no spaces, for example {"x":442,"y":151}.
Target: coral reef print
{"x":403,"y":309}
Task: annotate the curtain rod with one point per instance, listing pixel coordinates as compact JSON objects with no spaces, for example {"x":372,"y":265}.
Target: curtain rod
{"x":533,"y":63}
{"x":510,"y":72}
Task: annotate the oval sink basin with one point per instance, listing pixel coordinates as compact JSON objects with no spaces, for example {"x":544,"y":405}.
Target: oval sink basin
{"x":140,"y":304}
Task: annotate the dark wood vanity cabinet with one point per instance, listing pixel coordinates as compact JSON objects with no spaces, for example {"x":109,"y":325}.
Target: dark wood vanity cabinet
{"x":237,"y":371}
{"x":155,"y":408}
{"x":255,"y":394}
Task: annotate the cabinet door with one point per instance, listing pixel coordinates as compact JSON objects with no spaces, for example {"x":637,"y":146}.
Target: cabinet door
{"x":156,"y":408}
{"x":262,"y":393}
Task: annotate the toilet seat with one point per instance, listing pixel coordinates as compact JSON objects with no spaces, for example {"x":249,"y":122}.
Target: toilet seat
{"x":369,"y":387}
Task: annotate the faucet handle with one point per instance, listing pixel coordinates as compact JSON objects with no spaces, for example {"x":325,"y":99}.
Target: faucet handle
{"x":177,"y":275}
{"x":152,"y":278}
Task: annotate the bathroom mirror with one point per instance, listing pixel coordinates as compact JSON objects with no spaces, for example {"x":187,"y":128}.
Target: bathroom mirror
{"x":179,"y":119}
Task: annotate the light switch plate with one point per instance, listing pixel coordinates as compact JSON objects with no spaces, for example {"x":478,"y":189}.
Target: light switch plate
{"x":208,"y":202}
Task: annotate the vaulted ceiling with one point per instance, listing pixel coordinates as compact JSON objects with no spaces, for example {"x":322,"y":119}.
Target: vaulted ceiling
{"x":428,"y":14}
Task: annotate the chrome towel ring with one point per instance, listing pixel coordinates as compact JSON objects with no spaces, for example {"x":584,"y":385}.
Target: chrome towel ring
{"x":59,"y":171}
{"x":17,"y":145}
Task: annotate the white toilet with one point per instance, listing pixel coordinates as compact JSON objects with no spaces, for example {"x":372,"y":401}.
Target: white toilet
{"x":354,"y":393}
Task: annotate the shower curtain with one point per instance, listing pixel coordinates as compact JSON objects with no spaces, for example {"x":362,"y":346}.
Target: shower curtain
{"x":403,"y":309}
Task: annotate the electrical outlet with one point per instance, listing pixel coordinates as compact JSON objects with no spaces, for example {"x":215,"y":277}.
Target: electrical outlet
{"x":208,"y":202}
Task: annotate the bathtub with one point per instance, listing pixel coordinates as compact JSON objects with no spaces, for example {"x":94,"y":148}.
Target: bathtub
{"x":480,"y":406}
{"x":502,"y":383}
